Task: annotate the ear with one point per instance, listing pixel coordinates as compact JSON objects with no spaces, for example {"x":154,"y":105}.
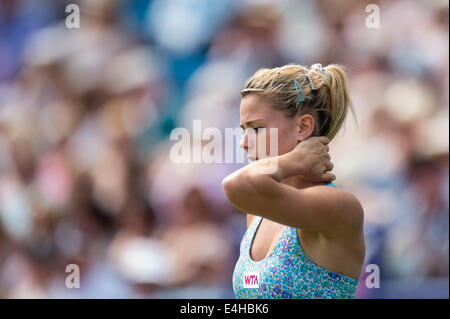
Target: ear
{"x":305,"y":126}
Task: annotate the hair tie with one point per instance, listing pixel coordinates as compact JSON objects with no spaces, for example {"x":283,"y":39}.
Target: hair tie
{"x":311,"y":84}
{"x":297,"y":88}
{"x":321,"y":69}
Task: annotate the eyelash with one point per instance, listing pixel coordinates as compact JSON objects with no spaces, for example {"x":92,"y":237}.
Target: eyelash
{"x":253,"y":128}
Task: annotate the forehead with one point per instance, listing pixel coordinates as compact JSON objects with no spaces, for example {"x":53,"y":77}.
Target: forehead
{"x":254,"y":107}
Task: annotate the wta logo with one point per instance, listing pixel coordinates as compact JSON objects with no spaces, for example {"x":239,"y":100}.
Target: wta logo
{"x":251,"y":280}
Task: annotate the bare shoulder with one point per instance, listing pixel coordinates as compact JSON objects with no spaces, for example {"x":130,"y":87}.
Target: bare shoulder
{"x":250,"y":219}
{"x":345,"y":205}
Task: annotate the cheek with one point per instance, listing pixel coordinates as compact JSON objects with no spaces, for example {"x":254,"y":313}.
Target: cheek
{"x":263,"y":144}
{"x":287,"y":140}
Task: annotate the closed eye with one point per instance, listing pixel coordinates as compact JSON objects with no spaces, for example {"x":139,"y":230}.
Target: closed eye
{"x":256,"y":129}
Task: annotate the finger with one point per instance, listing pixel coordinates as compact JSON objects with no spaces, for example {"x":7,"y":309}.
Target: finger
{"x":328,"y":177}
{"x":329,"y":166}
{"x":326,"y":156}
{"x":327,"y":148}
{"x":324,"y":140}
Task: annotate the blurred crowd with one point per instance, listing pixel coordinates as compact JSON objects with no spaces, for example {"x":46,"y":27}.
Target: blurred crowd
{"x":86,"y":114}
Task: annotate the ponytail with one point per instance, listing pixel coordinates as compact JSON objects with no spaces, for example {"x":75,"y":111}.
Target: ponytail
{"x":340,"y":100}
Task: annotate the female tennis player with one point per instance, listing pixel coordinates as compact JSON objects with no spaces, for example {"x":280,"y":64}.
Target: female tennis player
{"x":304,"y":238}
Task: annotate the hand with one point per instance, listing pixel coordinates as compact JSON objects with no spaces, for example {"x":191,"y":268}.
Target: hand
{"x":313,"y":160}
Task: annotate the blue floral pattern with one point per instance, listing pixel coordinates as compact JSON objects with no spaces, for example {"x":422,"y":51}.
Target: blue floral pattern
{"x":287,"y":272}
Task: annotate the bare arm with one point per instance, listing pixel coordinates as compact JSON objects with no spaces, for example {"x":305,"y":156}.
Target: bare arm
{"x":319,"y":208}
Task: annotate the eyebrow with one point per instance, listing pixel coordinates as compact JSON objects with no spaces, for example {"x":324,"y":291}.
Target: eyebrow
{"x":250,"y":123}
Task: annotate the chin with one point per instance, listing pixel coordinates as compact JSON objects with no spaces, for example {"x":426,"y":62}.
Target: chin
{"x":252,"y":158}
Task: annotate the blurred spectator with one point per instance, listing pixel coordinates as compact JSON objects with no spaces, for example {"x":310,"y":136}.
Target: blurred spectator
{"x":86,"y":114}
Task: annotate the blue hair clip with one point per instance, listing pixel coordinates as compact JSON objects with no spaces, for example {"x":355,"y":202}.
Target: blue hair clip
{"x":297,"y":87}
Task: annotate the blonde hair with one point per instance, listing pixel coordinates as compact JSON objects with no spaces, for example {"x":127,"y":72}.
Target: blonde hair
{"x":325,"y":93}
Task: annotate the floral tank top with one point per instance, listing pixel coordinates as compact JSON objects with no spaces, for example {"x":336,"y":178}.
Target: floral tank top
{"x":286,"y":272}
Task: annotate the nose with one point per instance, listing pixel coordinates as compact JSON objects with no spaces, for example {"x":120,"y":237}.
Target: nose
{"x":244,"y":142}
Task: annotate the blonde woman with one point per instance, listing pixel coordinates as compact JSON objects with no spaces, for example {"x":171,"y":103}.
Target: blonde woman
{"x":304,"y":238}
